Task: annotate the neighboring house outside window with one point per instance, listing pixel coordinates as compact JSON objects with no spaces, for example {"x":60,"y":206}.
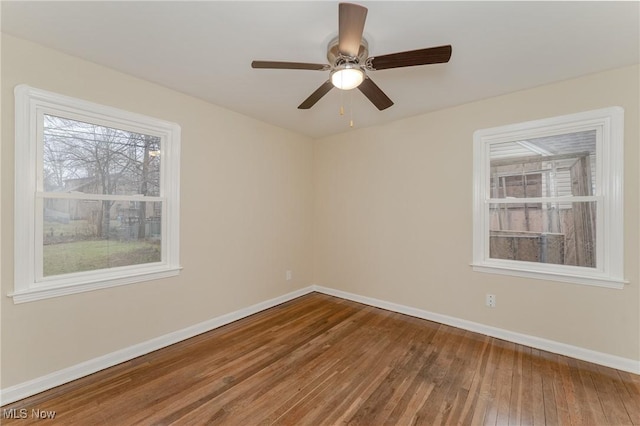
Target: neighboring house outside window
{"x":548,"y":200}
{"x":97,"y":196}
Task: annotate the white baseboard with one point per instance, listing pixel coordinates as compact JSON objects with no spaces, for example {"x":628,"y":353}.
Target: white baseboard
{"x":57,"y":378}
{"x":608,"y":360}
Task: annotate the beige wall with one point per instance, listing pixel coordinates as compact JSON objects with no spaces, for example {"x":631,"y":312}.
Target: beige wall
{"x":393,"y":219}
{"x":246,"y":212}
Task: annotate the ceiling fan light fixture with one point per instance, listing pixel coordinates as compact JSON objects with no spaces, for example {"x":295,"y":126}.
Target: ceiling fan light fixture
{"x":347,"y":76}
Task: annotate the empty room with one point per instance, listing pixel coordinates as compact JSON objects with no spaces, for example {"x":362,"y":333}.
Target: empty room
{"x":320,"y":213}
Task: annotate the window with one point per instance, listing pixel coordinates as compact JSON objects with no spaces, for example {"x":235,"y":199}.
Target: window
{"x":97,"y":193}
{"x":548,"y":199}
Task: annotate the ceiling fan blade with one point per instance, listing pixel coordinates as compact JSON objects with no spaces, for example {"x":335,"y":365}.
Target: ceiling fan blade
{"x":375,"y":94}
{"x":289,"y":65}
{"x":430,"y":55}
{"x":315,"y":96}
{"x":351,"y":18}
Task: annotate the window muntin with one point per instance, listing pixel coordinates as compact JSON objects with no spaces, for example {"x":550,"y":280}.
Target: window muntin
{"x":548,"y":198}
{"x":105,"y":191}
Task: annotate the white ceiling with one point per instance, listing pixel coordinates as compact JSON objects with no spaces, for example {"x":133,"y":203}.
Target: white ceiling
{"x":205,"y":49}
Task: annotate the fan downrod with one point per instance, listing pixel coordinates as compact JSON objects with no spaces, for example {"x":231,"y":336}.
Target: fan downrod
{"x":334,"y":57}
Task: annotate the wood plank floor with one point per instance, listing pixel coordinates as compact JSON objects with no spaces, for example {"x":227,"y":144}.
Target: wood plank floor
{"x":320,"y":360}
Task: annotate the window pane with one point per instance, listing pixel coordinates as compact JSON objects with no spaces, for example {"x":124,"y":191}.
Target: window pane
{"x":93,"y":159}
{"x":558,"y":233}
{"x":86,"y":235}
{"x":553,"y":166}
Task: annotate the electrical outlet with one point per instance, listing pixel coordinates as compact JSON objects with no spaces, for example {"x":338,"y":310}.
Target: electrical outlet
{"x":490,"y":300}
{"x":289,"y":275}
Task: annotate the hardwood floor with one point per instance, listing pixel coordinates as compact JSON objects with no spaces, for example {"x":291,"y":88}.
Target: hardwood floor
{"x":322,"y":360}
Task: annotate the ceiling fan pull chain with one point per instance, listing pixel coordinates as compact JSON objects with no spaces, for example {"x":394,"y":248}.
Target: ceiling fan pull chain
{"x":351,"y":108}
{"x":342,"y":102}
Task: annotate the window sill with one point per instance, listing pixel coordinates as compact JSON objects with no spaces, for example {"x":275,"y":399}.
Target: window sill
{"x":46,"y":292}
{"x":593,"y":280}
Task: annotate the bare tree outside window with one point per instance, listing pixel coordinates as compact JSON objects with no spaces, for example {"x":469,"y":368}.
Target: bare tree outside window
{"x":97,"y":196}
{"x":84,"y":233}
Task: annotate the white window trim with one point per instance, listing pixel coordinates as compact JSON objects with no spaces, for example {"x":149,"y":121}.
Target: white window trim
{"x":29,"y":103}
{"x":609,"y":168}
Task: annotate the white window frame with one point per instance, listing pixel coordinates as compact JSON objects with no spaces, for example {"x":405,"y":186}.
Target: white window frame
{"x":609,"y":123}
{"x":29,"y":285}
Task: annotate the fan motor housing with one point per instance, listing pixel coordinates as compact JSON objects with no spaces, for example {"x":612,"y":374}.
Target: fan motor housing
{"x":334,"y":57}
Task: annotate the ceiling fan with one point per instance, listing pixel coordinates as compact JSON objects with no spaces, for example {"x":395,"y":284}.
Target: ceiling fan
{"x":349,"y":61}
